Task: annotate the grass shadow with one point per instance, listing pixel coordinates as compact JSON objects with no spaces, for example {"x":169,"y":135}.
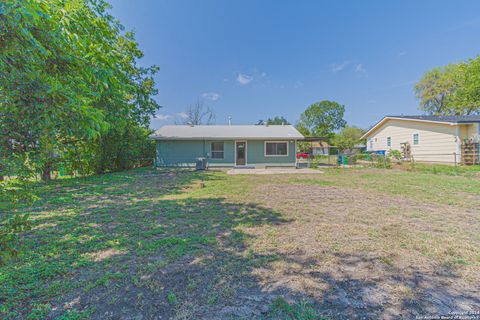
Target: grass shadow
{"x":117,"y":239}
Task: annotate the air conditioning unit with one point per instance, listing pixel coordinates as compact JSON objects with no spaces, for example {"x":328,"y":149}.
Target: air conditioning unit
{"x":201,"y":163}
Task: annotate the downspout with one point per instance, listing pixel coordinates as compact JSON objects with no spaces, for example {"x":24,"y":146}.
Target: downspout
{"x":295,"y":154}
{"x":205,"y":155}
{"x":458,"y":142}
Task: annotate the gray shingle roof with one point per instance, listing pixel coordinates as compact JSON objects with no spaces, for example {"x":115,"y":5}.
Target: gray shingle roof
{"x":450,"y":119}
{"x":186,"y":132}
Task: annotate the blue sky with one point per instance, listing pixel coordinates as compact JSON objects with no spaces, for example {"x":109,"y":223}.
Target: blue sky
{"x":256,"y":59}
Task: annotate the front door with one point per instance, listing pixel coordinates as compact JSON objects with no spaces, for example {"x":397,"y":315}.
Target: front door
{"x":241,"y":153}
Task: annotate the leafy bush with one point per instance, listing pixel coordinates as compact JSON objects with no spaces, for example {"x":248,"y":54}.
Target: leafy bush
{"x":396,"y":154}
{"x":135,"y":150}
{"x":381,"y":161}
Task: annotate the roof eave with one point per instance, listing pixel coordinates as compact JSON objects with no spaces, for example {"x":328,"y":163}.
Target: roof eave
{"x":225,"y":138}
{"x":384,"y":119}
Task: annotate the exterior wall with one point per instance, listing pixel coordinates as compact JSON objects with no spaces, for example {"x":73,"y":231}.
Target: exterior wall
{"x":228,"y":154}
{"x":178,"y":153}
{"x":182,"y":153}
{"x":256,"y":155}
{"x":437,"y":142}
{"x":468,"y":131}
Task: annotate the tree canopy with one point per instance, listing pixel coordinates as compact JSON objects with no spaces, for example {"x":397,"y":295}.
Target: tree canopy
{"x":451,"y":90}
{"x":348,"y":137}
{"x":322,"y":119}
{"x":71,"y":93}
{"x":68,"y":76}
{"x":277,"y":120}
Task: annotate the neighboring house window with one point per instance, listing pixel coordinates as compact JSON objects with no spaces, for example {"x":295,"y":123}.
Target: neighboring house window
{"x":217,"y":150}
{"x":371,"y":143}
{"x":389,"y":141}
{"x":415,"y":138}
{"x":276,"y":149}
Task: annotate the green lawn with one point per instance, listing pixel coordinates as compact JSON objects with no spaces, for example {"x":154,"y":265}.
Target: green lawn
{"x":190,"y":245}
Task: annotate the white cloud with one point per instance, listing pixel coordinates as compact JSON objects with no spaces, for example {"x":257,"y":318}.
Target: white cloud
{"x":211,"y":96}
{"x":337,"y":67}
{"x":297,"y":84}
{"x":244,"y":79}
{"x":360,"y":68}
{"x":182,"y":115}
{"x":402,"y":53}
{"x":162,"y":117}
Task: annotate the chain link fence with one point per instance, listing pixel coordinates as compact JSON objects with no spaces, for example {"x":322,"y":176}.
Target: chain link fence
{"x":60,"y":168}
{"x":467,"y":162}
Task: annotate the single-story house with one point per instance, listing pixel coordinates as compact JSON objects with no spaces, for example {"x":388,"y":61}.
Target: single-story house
{"x":227,"y":145}
{"x":430,"y":138}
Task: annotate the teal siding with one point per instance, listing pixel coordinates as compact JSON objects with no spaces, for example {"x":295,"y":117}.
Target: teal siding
{"x":182,"y":153}
{"x":178,"y":153}
{"x":256,"y":155}
{"x":228,"y":151}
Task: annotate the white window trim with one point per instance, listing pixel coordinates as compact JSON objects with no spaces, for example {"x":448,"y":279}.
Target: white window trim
{"x":413,"y":139}
{"x":389,"y":146}
{"x":211,"y":150}
{"x":274,"y":155}
{"x":246,"y":150}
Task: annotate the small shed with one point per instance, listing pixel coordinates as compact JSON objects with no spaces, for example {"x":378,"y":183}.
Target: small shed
{"x":317,"y":145}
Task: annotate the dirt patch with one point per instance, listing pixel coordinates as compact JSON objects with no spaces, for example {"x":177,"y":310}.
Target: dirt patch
{"x":367,"y":255}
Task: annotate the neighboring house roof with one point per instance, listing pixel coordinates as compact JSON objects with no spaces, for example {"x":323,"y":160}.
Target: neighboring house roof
{"x":449,"y":119}
{"x":452,"y":120}
{"x":187,"y":132}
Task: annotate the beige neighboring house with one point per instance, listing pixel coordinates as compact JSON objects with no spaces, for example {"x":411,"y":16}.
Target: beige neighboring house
{"x":431,"y":138}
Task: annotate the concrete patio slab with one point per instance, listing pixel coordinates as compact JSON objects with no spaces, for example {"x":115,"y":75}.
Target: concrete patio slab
{"x":274,"y":171}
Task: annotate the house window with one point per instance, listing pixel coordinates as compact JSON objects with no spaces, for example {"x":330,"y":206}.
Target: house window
{"x":389,"y":141}
{"x":371,"y":144}
{"x":276,"y":149}
{"x":415,"y":138}
{"x":217,"y":150}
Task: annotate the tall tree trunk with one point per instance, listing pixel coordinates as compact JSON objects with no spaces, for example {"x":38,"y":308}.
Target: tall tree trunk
{"x":46,"y":172}
{"x":47,"y":169}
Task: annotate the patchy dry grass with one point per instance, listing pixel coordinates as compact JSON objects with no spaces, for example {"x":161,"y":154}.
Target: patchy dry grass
{"x":188,"y":245}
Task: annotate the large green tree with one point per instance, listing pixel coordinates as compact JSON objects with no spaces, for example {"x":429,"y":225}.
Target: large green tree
{"x":71,"y":93}
{"x":348,"y":137}
{"x":68,"y":75}
{"x":322,"y":119}
{"x":451,"y":90}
